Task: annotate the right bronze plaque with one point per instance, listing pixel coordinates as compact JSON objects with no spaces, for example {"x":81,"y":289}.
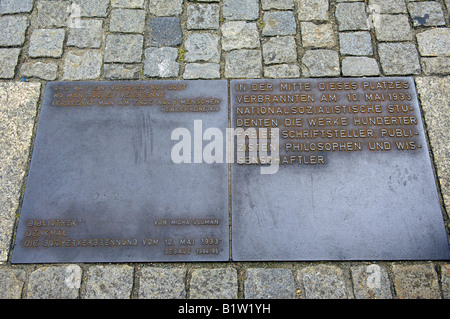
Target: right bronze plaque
{"x":332,"y":169}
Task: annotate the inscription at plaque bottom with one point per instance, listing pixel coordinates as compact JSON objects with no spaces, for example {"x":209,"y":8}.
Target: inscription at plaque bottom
{"x":332,"y":169}
{"x":105,"y":183}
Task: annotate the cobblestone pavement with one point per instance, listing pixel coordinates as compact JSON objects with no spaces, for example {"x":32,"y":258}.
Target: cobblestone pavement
{"x":47,"y":40}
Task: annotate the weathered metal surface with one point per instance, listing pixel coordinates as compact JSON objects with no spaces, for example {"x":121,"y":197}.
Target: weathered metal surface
{"x":354,"y":180}
{"x":103,"y":187}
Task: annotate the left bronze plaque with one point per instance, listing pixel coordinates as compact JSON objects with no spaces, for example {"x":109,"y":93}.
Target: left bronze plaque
{"x":127,"y":172}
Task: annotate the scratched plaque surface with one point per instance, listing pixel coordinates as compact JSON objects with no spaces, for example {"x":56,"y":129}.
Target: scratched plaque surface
{"x":354,"y":179}
{"x":103,"y":186}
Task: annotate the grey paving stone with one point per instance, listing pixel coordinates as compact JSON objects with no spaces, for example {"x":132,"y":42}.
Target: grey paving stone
{"x":164,"y":31}
{"x":11,"y":283}
{"x":213,"y":284}
{"x":387,"y":6}
{"x":309,"y":10}
{"x":417,"y":281}
{"x":360,"y":66}
{"x":52,"y":14}
{"x":128,"y":4}
{"x":162,"y":283}
{"x":122,"y":71}
{"x":393,"y":28}
{"x":433,"y":93}
{"x":16,"y":6}
{"x":88,"y":34}
{"x":323,"y":282}
{"x":124,"y":48}
{"x":434,"y":42}
{"x":165,"y":7}
{"x":202,"y":47}
{"x":371,"y":282}
{"x":355,"y":43}
{"x":445,"y":279}
{"x":275,"y":283}
{"x":161,"y":62}
{"x":277,"y":4}
{"x":282,"y":71}
{"x":279,"y":23}
{"x":317,"y":35}
{"x":201,"y":16}
{"x":279,"y":50}
{"x":54,"y":282}
{"x":202,"y":71}
{"x":82,"y":65}
{"x":47,"y":43}
{"x":320,"y":63}
{"x":436,"y":65}
{"x":42,"y":70}
{"x":239,"y":35}
{"x":351,"y":16}
{"x":243,"y":64}
{"x":91,"y":8}
{"x":398,"y":58}
{"x":13,"y":30}
{"x":18,"y":105}
{"x":426,"y":13}
{"x":127,"y":21}
{"x":240,"y":9}
{"x":109,"y":282}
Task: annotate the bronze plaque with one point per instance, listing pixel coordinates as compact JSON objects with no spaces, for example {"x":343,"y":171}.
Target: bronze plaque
{"x":332,"y":169}
{"x":125,"y":172}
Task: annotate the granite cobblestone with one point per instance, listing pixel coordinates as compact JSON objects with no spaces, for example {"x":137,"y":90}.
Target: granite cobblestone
{"x":218,"y":283}
{"x":240,"y":9}
{"x":203,"y":16}
{"x":78,"y":40}
{"x":269,"y":284}
{"x":324,"y":282}
{"x":16,"y":6}
{"x":109,"y":282}
{"x":279,"y":50}
{"x":47,"y":43}
{"x":161,"y":283}
{"x":393,"y":28}
{"x":317,"y":35}
{"x":164,"y":31}
{"x":416,"y":281}
{"x":127,"y":20}
{"x":278,"y":23}
{"x":52,"y":14}
{"x":124,"y":48}
{"x":360,"y":66}
{"x":312,"y":10}
{"x":355,"y":43}
{"x":426,"y":13}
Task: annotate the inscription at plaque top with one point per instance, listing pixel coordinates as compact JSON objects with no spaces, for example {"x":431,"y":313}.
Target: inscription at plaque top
{"x":332,"y":169}
{"x":106,"y":183}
